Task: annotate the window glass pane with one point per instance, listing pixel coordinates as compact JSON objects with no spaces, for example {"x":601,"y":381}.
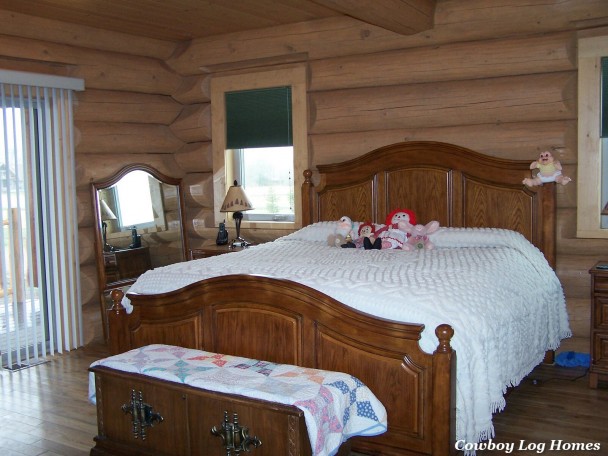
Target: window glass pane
{"x":267,"y":178}
{"x":134,"y":200}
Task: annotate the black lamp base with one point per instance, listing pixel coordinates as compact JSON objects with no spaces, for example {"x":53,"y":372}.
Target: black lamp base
{"x":239,"y":241}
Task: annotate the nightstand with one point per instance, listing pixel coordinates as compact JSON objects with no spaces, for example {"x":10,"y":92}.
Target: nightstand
{"x":212,"y":250}
{"x":126,"y":264}
{"x":599,"y":323}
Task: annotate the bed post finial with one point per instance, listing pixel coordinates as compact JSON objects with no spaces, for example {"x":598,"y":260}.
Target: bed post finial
{"x":116,"y":296}
{"x":444,"y":333}
{"x":307,"y":202}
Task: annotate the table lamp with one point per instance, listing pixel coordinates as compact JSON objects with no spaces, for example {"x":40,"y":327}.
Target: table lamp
{"x":236,"y":201}
{"x":106,"y":215}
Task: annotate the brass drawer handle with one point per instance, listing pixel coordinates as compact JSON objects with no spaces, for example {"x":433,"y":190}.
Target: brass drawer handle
{"x":142,"y":414}
{"x":234,"y":436}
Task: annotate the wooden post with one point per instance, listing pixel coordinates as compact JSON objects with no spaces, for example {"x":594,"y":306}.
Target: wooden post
{"x":444,"y":393}
{"x":18,"y":280}
{"x":117,"y":324}
{"x":307,"y":188}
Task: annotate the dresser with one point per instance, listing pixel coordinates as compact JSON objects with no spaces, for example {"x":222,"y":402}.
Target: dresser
{"x":212,"y":250}
{"x":599,"y":323}
{"x":126,"y":264}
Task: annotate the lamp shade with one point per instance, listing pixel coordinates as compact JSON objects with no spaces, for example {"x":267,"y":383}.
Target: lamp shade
{"x":106,"y":212}
{"x":236,"y":200}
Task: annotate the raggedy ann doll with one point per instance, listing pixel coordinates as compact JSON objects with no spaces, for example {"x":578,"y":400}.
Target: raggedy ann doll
{"x":367,"y":237}
{"x":391,"y":236}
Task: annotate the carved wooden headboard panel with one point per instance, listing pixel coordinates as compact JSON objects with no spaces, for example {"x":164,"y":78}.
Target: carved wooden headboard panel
{"x":451,"y":184}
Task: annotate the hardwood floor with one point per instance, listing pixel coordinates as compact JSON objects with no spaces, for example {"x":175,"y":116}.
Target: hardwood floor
{"x":44,"y":410}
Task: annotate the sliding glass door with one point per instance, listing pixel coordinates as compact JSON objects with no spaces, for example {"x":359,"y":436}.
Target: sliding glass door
{"x":40,"y":308}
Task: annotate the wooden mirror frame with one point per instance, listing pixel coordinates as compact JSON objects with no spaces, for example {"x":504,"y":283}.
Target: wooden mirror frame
{"x":104,"y":285}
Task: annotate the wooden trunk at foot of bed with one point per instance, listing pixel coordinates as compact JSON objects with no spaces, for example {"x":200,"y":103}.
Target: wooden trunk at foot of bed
{"x":285,"y":322}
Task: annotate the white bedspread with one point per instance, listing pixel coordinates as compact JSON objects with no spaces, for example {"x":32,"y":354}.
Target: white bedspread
{"x":492,"y":286}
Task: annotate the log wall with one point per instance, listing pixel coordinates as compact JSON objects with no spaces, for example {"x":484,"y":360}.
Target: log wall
{"x":498,"y":77}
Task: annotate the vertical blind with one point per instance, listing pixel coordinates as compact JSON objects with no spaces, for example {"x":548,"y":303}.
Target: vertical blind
{"x":604,"y":98}
{"x":258,"y":118}
{"x":40,"y":305}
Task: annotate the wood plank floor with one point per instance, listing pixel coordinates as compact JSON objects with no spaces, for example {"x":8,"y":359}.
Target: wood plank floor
{"x":44,"y":410}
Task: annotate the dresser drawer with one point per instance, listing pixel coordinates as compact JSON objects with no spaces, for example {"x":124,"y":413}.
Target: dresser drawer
{"x":188,"y":417}
{"x":600,"y":284}
{"x":600,"y":313}
{"x":600,"y":351}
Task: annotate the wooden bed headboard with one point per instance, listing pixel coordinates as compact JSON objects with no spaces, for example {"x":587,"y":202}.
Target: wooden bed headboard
{"x":454,"y":185}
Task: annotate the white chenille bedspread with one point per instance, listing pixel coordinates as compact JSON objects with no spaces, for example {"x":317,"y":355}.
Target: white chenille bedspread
{"x":492,"y":286}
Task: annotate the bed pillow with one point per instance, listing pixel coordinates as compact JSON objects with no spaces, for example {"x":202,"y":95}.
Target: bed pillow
{"x":320,"y":231}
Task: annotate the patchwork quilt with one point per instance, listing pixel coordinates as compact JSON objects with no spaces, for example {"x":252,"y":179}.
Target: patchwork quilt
{"x":336,"y":406}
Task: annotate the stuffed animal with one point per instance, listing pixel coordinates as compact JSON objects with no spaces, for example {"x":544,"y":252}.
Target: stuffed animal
{"x":392,"y":236}
{"x":550,"y":170}
{"x":419,"y":235}
{"x":367,"y":237}
{"x":342,"y":233}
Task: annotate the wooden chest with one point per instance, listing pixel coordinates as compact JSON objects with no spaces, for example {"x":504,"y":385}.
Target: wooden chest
{"x":140,"y":415}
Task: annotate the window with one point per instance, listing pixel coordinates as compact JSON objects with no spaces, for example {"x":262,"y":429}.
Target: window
{"x":266,"y":175}
{"x":592,"y":179}
{"x":271,"y":172}
{"x":134,"y":200}
{"x":259,"y":154}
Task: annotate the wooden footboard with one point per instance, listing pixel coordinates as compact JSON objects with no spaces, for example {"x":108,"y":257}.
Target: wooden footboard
{"x":285,"y":322}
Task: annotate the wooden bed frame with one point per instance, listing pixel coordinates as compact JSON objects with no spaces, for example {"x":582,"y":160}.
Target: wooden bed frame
{"x":285,"y":322}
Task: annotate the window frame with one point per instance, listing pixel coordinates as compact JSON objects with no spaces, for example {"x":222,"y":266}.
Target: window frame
{"x":289,"y":75}
{"x":589,"y":205}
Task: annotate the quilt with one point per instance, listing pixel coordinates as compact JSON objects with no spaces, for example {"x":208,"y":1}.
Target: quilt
{"x":336,"y":406}
{"x":495,"y":288}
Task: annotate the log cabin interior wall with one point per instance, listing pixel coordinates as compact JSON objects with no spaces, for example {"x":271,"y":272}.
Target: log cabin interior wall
{"x":497,"y":77}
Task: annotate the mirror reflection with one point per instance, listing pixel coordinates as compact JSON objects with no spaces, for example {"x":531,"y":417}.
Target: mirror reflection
{"x":139,"y":216}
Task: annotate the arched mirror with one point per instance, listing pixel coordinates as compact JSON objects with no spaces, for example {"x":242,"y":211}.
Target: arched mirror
{"x":139,"y":226}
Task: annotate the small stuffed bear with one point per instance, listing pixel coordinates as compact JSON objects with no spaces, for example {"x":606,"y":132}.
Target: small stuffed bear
{"x":550,"y":170}
{"x":342,"y":234}
{"x":419,"y":235}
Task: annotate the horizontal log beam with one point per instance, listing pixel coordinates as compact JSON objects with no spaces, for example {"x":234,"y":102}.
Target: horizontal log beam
{"x":39,"y":28}
{"x":195,"y":157}
{"x":405,"y":17}
{"x":193,"y":124}
{"x":193,"y":89}
{"x":518,"y":141}
{"x":121,"y":138}
{"x":498,"y":100}
{"x":129,"y":107}
{"x":335,"y":37}
{"x":198,"y":190}
{"x":451,"y":62}
{"x":99,"y":69}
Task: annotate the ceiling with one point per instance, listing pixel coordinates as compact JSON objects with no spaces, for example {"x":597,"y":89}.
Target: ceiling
{"x":181,"y":20}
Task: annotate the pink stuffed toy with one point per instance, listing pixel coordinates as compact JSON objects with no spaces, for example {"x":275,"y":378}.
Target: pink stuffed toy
{"x":419,"y":235}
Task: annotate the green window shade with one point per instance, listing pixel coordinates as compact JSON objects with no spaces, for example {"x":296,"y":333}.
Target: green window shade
{"x":258,"y":118}
{"x":604,"y":100}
